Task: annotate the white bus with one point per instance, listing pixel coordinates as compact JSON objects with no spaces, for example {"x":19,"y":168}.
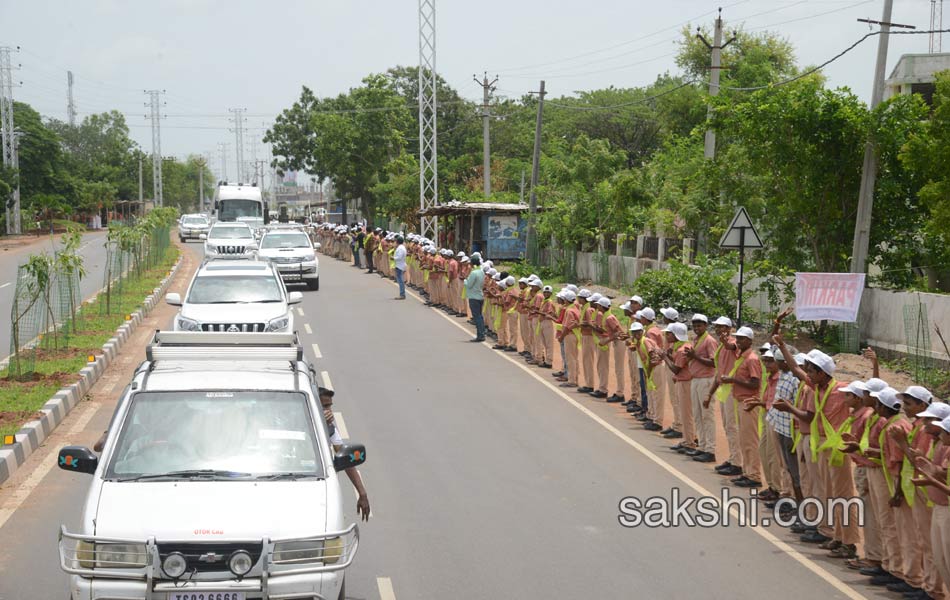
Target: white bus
{"x":240,"y":202}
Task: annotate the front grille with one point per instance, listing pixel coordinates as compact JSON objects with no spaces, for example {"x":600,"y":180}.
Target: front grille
{"x":210,"y":557}
{"x":231,"y":249}
{"x":287,"y":259}
{"x":234,"y":327}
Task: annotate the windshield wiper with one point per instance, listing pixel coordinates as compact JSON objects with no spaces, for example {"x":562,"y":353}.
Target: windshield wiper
{"x":288,"y":475}
{"x":267,"y":301}
{"x":189,"y":474}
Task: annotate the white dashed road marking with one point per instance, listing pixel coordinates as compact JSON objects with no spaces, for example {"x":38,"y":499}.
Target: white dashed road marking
{"x":341,"y":425}
{"x":385,"y":585}
{"x":4,"y":285}
{"x":316,"y":351}
{"x":300,"y":311}
{"x":306,"y":327}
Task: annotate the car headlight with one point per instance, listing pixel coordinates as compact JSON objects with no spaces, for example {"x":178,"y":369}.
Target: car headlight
{"x":240,"y":563}
{"x":111,"y":556}
{"x":210,"y":249}
{"x":308,"y":257}
{"x":326,"y":551}
{"x":175,"y":565}
{"x":186,"y":324}
{"x":278,"y":324}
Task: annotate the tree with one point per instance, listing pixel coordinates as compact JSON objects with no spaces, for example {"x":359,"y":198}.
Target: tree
{"x":349,"y":139}
{"x":42,"y":168}
{"x":753,"y":59}
{"x":99,"y":150}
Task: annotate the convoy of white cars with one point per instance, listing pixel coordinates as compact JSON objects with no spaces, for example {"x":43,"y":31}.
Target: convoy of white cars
{"x":217,"y":478}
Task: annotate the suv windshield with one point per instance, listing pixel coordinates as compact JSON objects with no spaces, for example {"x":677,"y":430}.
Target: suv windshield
{"x":195,"y":221}
{"x":234,"y":289}
{"x":230,"y":210}
{"x":230,"y":232}
{"x":223,"y":433}
{"x":285,"y":240}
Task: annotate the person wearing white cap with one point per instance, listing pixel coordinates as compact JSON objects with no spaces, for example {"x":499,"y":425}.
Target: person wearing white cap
{"x":668,"y":316}
{"x":677,"y":361}
{"x":544,"y":330}
{"x":726,"y":354}
{"x":745,"y":379}
{"x":702,"y":368}
{"x":512,"y":297}
{"x":586,"y":375}
{"x":645,"y":363}
{"x":560,"y":309}
{"x":786,"y":388}
{"x":935,"y":480}
{"x":521,"y":314}
{"x":611,"y":336}
{"x":657,"y":402}
{"x":601,"y":345}
{"x":636,"y":303}
{"x":570,"y":336}
{"x":572,"y":287}
{"x":532,"y":306}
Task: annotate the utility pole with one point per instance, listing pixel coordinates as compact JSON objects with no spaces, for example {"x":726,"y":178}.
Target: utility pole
{"x":70,"y":104}
{"x":531,"y":240}
{"x":709,"y":149}
{"x":201,"y":183}
{"x":155,"y":105}
{"x":9,"y":134}
{"x":223,"y":149}
{"x":862,"y":225}
{"x":141,"y":198}
{"x":487,"y":88}
{"x":239,"y":140}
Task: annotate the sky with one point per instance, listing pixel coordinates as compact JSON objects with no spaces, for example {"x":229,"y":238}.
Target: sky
{"x":212,"y":55}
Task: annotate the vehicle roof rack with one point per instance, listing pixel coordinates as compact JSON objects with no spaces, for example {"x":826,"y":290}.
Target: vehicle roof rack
{"x":223,"y":346}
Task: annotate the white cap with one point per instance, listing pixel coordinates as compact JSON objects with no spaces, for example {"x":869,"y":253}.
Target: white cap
{"x":625,"y":306}
{"x":523,"y":280}
{"x":547,"y":288}
{"x":496,"y":275}
{"x":584,"y":293}
{"x":822,"y":361}
{"x":745,"y":332}
{"x":699,"y":317}
{"x":937,"y":410}
{"x":768,"y":354}
{"x":605,"y":302}
{"x":725,"y":321}
{"x":478,"y":254}
{"x":765,"y":348}
{"x":465,"y":259}
{"x":571,"y":287}
{"x":800,"y":359}
{"x":778,"y":354}
{"x":636,"y":326}
{"x":510,"y":281}
{"x":460,"y":254}
{"x":875,"y":385}
{"x":945,"y":424}
{"x":595,"y":297}
{"x":670,"y":313}
{"x":636,"y":299}
{"x":888,"y":397}
{"x":536,"y":283}
{"x":647,"y":313}
{"x":855,"y":387}
{"x":919,"y":393}
{"x":678,"y":330}
{"x":569,"y":295}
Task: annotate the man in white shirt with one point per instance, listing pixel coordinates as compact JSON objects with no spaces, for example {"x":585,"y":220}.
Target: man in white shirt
{"x":399,"y":257}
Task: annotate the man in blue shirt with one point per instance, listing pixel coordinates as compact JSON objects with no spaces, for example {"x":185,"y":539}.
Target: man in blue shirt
{"x":473,"y":291}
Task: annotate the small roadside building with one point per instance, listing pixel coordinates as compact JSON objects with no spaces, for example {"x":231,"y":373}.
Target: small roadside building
{"x":495,"y":229}
{"x":916,"y":74}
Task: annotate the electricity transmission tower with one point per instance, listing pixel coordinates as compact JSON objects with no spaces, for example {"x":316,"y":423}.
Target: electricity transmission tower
{"x":239,"y":141}
{"x":155,"y":105}
{"x":223,"y":149}
{"x":70,"y":103}
{"x":428,"y":103}
{"x":9,"y":135}
{"x":936,"y":24}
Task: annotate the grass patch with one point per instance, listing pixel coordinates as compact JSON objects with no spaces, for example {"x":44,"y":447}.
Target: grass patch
{"x":57,"y":367}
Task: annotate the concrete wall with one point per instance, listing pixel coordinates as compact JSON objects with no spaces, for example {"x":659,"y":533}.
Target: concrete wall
{"x":882,"y":319}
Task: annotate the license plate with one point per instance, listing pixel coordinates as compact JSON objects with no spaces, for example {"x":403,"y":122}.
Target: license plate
{"x":206,"y":596}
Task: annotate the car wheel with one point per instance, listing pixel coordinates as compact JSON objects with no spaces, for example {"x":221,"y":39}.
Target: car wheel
{"x":313,"y":284}
{"x":181,"y":239}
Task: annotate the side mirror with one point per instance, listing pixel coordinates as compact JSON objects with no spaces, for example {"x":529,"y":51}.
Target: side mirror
{"x":317,"y":246}
{"x":80,"y":459}
{"x":203,"y":236}
{"x":294,"y":298}
{"x":173,"y":299}
{"x":350,"y":455}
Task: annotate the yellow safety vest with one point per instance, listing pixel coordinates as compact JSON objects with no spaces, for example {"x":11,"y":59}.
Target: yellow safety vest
{"x":819,"y":414}
{"x":880,"y":443}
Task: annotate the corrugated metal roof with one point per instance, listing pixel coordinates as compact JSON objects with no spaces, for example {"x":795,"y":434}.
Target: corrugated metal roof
{"x":456,"y":207}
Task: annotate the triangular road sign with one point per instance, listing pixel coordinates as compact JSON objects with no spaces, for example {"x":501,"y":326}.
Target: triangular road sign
{"x":741,"y":233}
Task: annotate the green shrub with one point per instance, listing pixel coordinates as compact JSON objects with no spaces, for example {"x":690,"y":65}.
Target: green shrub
{"x":704,"y":288}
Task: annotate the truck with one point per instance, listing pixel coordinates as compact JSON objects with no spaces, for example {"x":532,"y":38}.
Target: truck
{"x":240,"y":202}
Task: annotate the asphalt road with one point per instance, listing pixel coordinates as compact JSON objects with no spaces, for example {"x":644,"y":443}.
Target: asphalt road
{"x":485,"y":481}
{"x":93,"y":251}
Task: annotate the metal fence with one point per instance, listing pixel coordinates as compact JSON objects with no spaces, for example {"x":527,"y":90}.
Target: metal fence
{"x":917,"y":331}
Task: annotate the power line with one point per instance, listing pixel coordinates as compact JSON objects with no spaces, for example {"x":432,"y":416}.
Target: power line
{"x":624,"y":104}
{"x":812,"y":16}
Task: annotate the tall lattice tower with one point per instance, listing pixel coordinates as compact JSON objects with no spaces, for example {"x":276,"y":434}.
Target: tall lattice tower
{"x":428,"y":117}
{"x":70,"y":102}
{"x":936,"y":24}
{"x":239,"y":143}
{"x":155,"y":105}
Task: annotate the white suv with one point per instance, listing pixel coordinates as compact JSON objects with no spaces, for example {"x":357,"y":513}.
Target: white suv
{"x":235,"y":295}
{"x":229,"y":238}
{"x":217,"y":480}
{"x":192,"y":226}
{"x":292,"y":252}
